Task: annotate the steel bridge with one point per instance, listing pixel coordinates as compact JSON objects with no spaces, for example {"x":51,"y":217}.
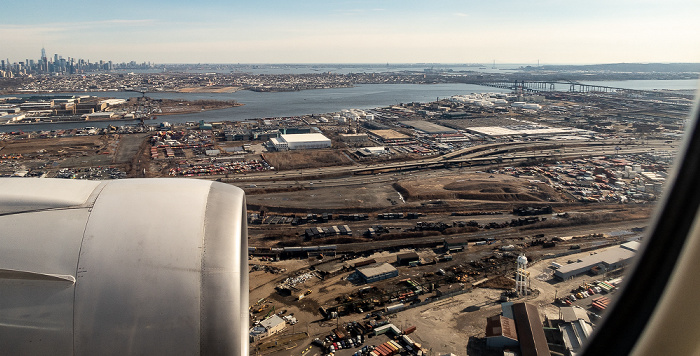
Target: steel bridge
{"x":548,"y":86}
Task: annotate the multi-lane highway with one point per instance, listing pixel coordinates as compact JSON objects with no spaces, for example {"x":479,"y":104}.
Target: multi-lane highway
{"x":473,"y":158}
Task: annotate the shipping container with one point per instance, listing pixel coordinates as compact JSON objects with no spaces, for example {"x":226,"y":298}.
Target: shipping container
{"x":381,"y":330}
{"x":398,"y":347}
{"x":382,"y":351}
{"x":409,"y":330}
{"x":395,"y":308}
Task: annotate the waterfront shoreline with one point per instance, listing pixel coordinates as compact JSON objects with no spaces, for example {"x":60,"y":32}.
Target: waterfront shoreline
{"x":117,"y":120}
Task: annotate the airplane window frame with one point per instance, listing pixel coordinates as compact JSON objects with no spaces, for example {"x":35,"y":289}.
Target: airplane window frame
{"x":668,"y":233}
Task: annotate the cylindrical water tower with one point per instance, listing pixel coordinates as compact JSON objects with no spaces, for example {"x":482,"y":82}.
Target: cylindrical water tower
{"x":521,"y":276}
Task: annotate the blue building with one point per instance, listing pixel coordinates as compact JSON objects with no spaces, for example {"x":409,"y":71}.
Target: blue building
{"x":377,"y":272}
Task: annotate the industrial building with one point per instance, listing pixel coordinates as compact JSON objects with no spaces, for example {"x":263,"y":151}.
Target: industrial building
{"x":500,"y":131}
{"x":267,"y":327}
{"x":100,"y":115}
{"x":570,"y":332}
{"x":109,"y":102}
{"x":569,"y":314}
{"x":300,"y":141}
{"x":519,"y":325}
{"x":533,"y":341}
{"x":501,"y":332}
{"x":377,"y":272}
{"x":11,"y":118}
{"x":524,"y":105}
{"x":575,"y":334}
{"x":406,"y":258}
{"x":604,"y":261}
{"x":429,"y":127}
{"x":353,"y":138}
{"x":372,"y":151}
{"x":389,"y":136}
{"x":330,"y":269}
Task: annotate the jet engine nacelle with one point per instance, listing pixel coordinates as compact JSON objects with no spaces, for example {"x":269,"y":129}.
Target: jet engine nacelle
{"x":135,"y":266}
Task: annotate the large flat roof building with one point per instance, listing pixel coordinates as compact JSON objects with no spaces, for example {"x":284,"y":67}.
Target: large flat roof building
{"x":300,"y":141}
{"x":377,"y":272}
{"x":389,"y":136}
{"x":500,"y":131}
{"x":429,"y":127}
{"x":608,"y":260}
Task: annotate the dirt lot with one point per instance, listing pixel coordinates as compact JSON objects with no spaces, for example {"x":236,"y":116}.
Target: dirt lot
{"x":445,"y":326}
{"x":480,"y":187}
{"x":129,"y":146}
{"x":307,"y":159}
{"x":368,"y":197}
{"x":64,"y":152}
{"x":55,"y":146}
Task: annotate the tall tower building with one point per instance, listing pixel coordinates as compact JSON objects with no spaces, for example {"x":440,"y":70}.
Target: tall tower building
{"x":43,"y":61}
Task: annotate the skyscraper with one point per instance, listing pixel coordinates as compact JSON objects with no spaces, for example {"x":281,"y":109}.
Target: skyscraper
{"x":43,"y":63}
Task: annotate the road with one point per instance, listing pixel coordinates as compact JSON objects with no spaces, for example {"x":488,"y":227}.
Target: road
{"x":472,"y":159}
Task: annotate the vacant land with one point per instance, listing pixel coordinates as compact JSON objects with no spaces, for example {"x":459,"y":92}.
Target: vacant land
{"x":479,"y":186}
{"x":53,"y":146}
{"x":365,"y":198}
{"x":307,"y":159}
{"x":129,"y":146}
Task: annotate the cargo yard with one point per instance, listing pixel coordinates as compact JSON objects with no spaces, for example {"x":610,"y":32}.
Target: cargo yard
{"x":398,"y":230}
{"x":60,"y":108}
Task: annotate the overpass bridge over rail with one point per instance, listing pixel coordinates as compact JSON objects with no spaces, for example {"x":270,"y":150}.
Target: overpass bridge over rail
{"x":469,"y":152}
{"x":496,"y":152}
{"x":548,"y":155}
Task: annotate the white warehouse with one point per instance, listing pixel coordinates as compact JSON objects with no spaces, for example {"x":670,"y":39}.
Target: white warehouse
{"x":300,"y":141}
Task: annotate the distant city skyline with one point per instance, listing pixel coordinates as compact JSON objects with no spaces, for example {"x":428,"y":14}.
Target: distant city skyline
{"x":171,"y":32}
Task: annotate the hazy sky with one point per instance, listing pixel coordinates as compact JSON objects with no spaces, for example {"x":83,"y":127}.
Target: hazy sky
{"x":324,"y":31}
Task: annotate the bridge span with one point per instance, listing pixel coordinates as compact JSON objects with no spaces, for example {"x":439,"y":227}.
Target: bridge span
{"x":549,"y":86}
